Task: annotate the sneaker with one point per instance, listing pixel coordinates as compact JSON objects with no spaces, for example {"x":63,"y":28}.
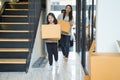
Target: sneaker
{"x":50,"y":68}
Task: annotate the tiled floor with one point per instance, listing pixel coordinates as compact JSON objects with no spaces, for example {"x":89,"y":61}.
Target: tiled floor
{"x":67,"y":70}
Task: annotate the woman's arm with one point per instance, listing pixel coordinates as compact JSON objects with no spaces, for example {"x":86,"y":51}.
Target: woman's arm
{"x":72,"y":22}
{"x":60,"y":17}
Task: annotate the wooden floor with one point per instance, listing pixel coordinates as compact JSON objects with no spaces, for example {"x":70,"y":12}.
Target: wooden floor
{"x":66,"y":70}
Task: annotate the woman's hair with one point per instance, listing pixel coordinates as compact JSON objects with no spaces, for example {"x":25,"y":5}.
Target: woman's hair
{"x":70,"y":13}
{"x":89,"y":9}
{"x":55,"y":20}
{"x":63,"y":10}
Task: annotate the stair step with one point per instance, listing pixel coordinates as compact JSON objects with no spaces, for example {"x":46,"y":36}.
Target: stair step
{"x":15,"y":34}
{"x":16,"y":9}
{"x":14,"y":50}
{"x":13,"y":40}
{"x":18,"y":31}
{"x":14,"y":44}
{"x":12,"y":61}
{"x":17,"y":6}
{"x":14,"y":23}
{"x":14,"y":16}
{"x":18,"y":3}
{"x":14,"y":27}
{"x":15,"y":55}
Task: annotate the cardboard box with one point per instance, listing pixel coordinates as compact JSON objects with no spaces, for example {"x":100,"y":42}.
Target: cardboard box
{"x":65,"y":26}
{"x":105,"y":66}
{"x":51,"y":32}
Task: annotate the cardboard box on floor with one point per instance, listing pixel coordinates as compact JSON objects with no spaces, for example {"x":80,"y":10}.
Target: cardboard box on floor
{"x":105,"y":66}
{"x":51,"y":32}
{"x":65,"y":26}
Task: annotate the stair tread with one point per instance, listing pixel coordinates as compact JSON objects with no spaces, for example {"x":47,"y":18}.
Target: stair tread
{"x":18,"y":3}
{"x":14,"y":50}
{"x":12,"y":61}
{"x":16,"y":9}
{"x":13,"y":39}
{"x":14,"y":23}
{"x":14,"y":16}
{"x":22,"y":31}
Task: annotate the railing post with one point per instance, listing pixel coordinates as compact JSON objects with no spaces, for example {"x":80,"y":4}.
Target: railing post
{"x":78,"y":25}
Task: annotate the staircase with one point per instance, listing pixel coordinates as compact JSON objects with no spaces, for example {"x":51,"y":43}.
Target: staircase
{"x":14,"y":37}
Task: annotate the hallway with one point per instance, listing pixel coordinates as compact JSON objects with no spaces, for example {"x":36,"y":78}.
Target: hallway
{"x":67,"y":70}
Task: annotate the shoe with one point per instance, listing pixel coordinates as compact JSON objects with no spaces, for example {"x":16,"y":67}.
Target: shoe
{"x":66,"y":58}
{"x":50,"y":68}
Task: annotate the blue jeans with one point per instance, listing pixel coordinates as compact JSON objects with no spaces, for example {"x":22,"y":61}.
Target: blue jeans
{"x":64,"y":44}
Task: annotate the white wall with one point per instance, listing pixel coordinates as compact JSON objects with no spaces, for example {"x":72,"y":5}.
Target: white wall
{"x":65,"y":2}
{"x":37,"y":49}
{"x":2,"y":2}
{"x":48,"y":6}
{"x":108,"y":25}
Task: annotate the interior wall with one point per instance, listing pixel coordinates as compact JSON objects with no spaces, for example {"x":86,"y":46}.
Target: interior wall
{"x":2,"y":2}
{"x":108,"y":25}
{"x":48,"y":6}
{"x":37,"y":49}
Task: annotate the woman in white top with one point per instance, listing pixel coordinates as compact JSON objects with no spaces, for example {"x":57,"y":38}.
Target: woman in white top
{"x":65,"y":37}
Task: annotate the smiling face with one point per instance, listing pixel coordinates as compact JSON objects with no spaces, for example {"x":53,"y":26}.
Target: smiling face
{"x":50,"y":19}
{"x":68,"y":9}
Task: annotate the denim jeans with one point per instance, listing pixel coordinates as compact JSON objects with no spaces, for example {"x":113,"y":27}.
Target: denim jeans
{"x":65,"y":44}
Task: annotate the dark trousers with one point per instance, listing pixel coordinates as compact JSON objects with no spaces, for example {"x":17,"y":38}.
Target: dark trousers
{"x":65,"y":44}
{"x":52,"y":50}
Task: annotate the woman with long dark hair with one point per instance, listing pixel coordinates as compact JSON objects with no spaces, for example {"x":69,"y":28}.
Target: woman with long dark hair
{"x":52,"y":44}
{"x":65,"y":37}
